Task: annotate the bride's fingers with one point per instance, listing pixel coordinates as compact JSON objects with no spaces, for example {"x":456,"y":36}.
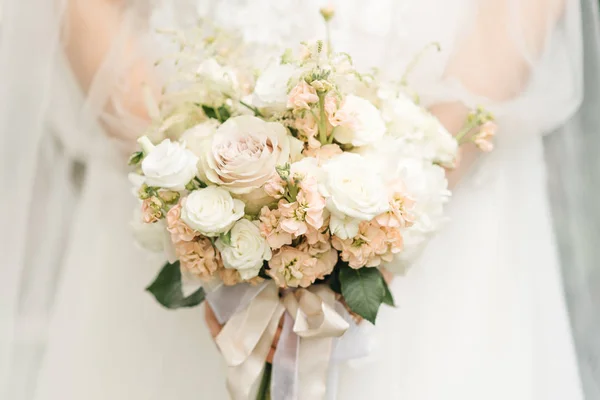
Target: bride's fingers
{"x":387,"y":275}
{"x":211,"y":321}
{"x":271,"y":355}
{"x":275,"y":341}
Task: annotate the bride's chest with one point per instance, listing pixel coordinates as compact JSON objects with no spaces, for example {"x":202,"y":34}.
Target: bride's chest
{"x":386,"y":34}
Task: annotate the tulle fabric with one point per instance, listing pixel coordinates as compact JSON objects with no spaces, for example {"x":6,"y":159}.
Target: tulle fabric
{"x":481,"y":315}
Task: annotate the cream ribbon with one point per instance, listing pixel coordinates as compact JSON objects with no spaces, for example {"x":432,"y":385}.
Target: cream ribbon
{"x":247,"y":336}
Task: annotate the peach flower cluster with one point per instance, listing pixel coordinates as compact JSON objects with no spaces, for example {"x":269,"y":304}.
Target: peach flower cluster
{"x":301,"y":266}
{"x":199,"y":257}
{"x":151,"y":210}
{"x":484,"y":139}
{"x":373,"y":245}
{"x":401,"y":207}
{"x":302,"y":96}
{"x":178,"y":229}
{"x":195,"y":252}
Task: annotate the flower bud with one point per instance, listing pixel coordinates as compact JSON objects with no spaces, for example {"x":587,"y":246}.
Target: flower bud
{"x":327,"y":12}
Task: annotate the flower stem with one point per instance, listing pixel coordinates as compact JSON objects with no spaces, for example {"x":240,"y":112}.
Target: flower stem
{"x":255,"y":110}
{"x":322,"y":119}
{"x":264,"y":391}
{"x":416,"y":60}
{"x":465,"y":130}
{"x":328,"y":36}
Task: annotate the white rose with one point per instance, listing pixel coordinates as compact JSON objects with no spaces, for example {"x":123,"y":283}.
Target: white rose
{"x":211,"y":211}
{"x":169,"y":165}
{"x":196,"y":137}
{"x":354,"y":191}
{"x":244,"y":152}
{"x":217,"y":77}
{"x":427,"y":185}
{"x":271,"y":90}
{"x":409,"y":121}
{"x":308,"y":166}
{"x":359,"y":122}
{"x":246,"y":251}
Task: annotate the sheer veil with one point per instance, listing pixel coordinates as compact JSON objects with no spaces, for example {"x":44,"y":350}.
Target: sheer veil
{"x":30,"y":44}
{"x":574,"y":178}
{"x":47,"y":125}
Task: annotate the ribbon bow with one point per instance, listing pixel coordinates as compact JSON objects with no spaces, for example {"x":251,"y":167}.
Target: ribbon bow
{"x":301,"y":365}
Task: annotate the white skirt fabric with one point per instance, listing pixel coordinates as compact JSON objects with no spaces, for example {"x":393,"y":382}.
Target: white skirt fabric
{"x":480,"y":316}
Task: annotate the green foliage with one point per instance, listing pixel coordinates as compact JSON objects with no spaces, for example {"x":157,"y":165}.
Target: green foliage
{"x":136,"y":158}
{"x":364,"y":291}
{"x":167,"y":290}
{"x":221,"y":114}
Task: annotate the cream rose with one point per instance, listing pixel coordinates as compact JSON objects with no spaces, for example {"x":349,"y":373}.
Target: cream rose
{"x":357,"y":122}
{"x":271,"y":90}
{"x":246,"y":249}
{"x":169,"y":165}
{"x":196,"y":137}
{"x":354,"y":192}
{"x":211,"y":211}
{"x":244,"y":152}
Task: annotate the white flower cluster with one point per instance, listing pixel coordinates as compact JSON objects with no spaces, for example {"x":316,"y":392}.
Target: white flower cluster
{"x":288,"y":173}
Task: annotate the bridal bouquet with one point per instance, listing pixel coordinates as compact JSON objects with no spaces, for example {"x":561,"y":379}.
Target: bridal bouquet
{"x":277,"y":189}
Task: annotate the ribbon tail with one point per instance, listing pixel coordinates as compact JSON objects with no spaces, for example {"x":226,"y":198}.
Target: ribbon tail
{"x":313,"y":367}
{"x":242,"y":379}
{"x":284,"y":380}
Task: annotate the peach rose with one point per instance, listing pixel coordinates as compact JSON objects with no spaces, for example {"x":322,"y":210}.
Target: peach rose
{"x":302,"y":96}
{"x":199,"y":257}
{"x":180,"y":232}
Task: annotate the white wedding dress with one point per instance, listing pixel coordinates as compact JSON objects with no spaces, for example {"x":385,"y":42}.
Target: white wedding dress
{"x":481,"y":315}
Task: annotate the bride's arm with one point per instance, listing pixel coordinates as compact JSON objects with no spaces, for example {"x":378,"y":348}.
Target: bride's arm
{"x":92,"y":29}
{"x":490,"y":60}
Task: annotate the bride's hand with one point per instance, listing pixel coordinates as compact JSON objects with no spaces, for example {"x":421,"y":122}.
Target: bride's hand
{"x":215,"y":328}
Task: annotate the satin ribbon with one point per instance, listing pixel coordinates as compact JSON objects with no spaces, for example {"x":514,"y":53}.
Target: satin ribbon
{"x":301,"y":366}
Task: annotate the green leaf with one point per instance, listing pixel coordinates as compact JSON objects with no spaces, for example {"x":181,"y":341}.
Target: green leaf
{"x":334,"y":281}
{"x":388,"y":298}
{"x":226,"y":238}
{"x":136,"y":158}
{"x":166,"y":288}
{"x":363,"y":290}
{"x":221,"y":114}
{"x":209,"y":111}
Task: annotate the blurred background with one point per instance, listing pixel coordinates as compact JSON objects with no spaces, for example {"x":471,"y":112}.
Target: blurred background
{"x":577,"y":217}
